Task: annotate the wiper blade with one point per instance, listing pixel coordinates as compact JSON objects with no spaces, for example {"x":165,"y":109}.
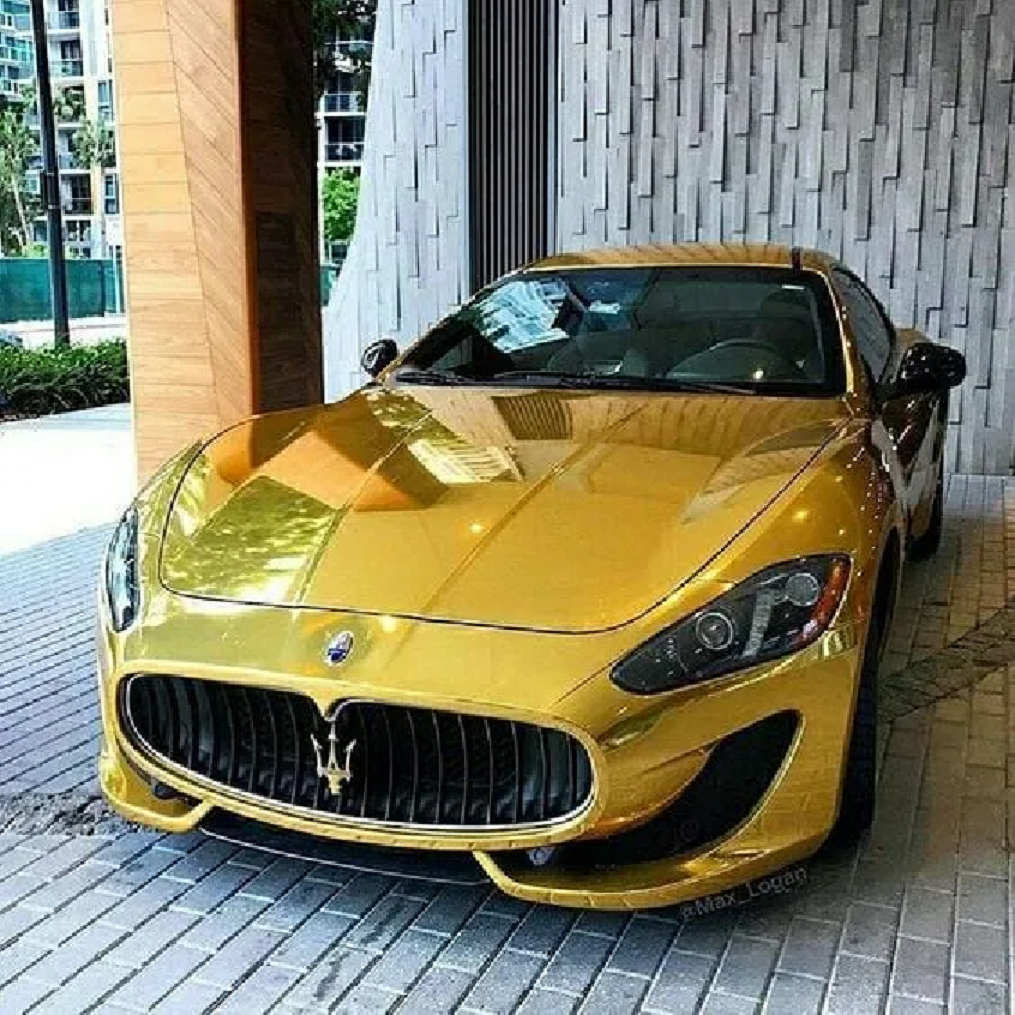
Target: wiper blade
{"x":410,"y":375}
{"x":622,"y":382}
{"x":548,"y":378}
{"x":562,"y":379}
{"x":708,"y":387}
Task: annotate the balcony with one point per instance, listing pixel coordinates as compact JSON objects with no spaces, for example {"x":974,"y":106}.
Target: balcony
{"x":343,"y":102}
{"x":65,"y":161}
{"x":68,"y":69}
{"x":346,"y":151}
{"x":64,"y":21}
{"x":358,"y":50}
{"x":77,"y":206}
{"x":17,"y":56}
{"x":20,"y":23}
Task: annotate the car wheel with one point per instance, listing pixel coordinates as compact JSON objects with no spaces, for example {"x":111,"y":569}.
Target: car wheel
{"x":859,"y":783}
{"x":927,"y":545}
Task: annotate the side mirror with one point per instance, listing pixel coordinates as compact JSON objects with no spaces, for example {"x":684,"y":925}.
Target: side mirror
{"x":378,"y":355}
{"x":928,"y":368}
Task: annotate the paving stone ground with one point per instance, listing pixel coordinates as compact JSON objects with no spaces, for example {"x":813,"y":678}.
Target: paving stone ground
{"x":917,"y":919}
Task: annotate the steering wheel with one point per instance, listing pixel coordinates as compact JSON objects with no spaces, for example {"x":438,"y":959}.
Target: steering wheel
{"x":785,"y":363}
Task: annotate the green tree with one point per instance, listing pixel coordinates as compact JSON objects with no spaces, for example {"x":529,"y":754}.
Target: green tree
{"x":17,"y":148}
{"x":94,"y":148}
{"x":69,"y":105}
{"x":339,"y":195}
{"x":342,"y":19}
{"x":94,"y":144}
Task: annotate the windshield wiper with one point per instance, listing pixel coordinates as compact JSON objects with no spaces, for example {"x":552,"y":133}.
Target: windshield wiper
{"x":548,"y":378}
{"x":621,"y":382}
{"x":563,"y":379}
{"x":413,"y":375}
{"x":707,"y":387}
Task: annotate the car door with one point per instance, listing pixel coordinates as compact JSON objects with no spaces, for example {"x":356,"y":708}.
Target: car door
{"x":908,"y":421}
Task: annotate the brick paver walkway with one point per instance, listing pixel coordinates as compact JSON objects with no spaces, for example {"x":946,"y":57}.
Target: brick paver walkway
{"x":916,"y":919}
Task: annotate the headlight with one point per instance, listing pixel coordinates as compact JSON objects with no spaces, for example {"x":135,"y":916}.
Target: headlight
{"x":777,"y":611}
{"x":121,"y":572}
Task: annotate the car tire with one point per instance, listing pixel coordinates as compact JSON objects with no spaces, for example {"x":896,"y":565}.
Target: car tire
{"x":859,"y":782}
{"x":927,"y":544}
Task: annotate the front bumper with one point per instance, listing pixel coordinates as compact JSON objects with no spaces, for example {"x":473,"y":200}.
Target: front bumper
{"x":645,"y":754}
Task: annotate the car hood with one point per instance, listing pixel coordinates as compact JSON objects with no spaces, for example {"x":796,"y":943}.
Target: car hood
{"x":546,"y":510}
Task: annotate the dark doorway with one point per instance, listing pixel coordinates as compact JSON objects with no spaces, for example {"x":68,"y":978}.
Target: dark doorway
{"x":512,"y":130}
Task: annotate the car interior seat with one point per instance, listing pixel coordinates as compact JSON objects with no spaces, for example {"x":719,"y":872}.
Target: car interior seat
{"x":786,"y":324}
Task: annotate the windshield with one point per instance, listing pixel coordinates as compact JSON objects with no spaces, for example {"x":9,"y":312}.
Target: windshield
{"x":769,"y":330}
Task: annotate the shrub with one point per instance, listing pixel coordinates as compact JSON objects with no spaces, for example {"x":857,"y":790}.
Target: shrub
{"x":40,"y":381}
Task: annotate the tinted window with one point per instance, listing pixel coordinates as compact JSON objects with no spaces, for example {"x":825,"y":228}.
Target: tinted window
{"x":873,"y":339}
{"x":766,"y":329}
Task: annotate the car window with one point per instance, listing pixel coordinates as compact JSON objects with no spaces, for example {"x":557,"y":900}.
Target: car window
{"x":873,"y":336}
{"x":767,"y":329}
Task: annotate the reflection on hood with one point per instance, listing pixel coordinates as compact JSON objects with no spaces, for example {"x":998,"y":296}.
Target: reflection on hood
{"x":558,"y":510}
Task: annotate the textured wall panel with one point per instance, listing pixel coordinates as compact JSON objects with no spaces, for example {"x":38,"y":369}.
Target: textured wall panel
{"x":223,"y":320}
{"x":882,"y":131}
{"x":408,"y":261}
{"x":182,"y":203}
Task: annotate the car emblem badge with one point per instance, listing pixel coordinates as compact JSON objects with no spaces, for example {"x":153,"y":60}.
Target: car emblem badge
{"x":339,"y":649}
{"x":337,"y":775}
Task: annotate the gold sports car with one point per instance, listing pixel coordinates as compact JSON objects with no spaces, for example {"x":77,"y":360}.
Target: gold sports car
{"x":591,"y":582}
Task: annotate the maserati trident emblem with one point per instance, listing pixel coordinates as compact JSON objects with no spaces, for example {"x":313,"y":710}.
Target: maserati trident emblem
{"x":339,"y":649}
{"x":337,"y":775}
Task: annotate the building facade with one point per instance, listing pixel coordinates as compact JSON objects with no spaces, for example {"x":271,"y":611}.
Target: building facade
{"x":341,"y":125}
{"x":81,"y":75}
{"x":15,"y":47}
{"x":881,"y":131}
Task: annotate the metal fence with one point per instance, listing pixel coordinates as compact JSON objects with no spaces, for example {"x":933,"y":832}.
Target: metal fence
{"x":94,"y":288}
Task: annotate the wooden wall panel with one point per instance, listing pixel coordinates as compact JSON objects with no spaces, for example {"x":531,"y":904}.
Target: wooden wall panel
{"x":280,"y":187}
{"x":191,"y":107}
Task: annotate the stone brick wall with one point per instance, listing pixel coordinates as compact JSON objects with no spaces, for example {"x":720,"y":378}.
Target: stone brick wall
{"x":879,"y":130}
{"x":408,"y":262}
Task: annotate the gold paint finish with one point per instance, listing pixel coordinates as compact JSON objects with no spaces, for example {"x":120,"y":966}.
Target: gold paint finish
{"x":331,"y":507}
{"x":496,"y":552}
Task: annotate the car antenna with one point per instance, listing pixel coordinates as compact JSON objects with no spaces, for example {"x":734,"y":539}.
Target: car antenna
{"x":796,"y":255}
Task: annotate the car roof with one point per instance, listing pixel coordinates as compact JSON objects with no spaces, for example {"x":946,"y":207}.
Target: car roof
{"x":690,"y":254}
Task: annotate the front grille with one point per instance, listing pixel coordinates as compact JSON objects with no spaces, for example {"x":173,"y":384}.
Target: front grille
{"x":409,"y":766}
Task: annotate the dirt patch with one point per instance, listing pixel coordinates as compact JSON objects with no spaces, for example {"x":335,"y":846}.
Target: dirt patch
{"x":76,"y":813}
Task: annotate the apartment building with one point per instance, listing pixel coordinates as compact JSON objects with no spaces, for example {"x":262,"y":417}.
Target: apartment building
{"x":81,"y":75}
{"x":341,"y":122}
{"x":15,"y":47}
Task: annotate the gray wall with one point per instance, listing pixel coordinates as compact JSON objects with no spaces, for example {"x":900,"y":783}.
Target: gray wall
{"x":879,"y":131}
